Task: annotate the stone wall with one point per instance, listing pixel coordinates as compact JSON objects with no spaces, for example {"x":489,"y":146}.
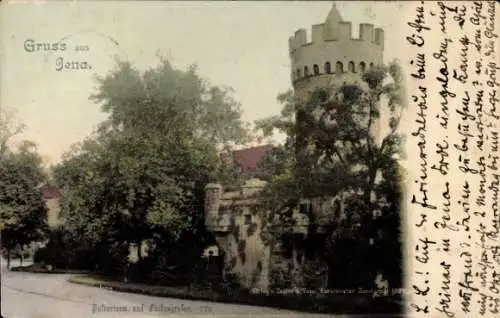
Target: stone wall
{"x":296,"y":258}
{"x":235,"y":218}
{"x":54,"y":209}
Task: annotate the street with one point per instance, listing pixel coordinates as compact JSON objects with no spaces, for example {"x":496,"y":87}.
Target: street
{"x":28,"y":295}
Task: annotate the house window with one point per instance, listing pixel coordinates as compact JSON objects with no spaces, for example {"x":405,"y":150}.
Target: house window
{"x":287,"y":247}
{"x":350,"y":66}
{"x":298,"y":74}
{"x":323,"y":96}
{"x":306,"y":71}
{"x":362,"y":66}
{"x":336,"y":209}
{"x":304,"y":208}
{"x":339,"y":68}
{"x":311,"y":251}
{"x":316,"y":69}
{"x":328,"y":68}
{"x":248,"y":219}
{"x":371,"y":65}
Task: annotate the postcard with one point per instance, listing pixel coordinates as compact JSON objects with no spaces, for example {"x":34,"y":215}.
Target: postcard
{"x":260,"y":159}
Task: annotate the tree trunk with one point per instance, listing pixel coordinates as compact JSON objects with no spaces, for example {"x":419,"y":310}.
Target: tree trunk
{"x":372,"y":173}
{"x":125,"y":273}
{"x":8,"y":258}
{"x":126,"y":261}
{"x":21,"y":256}
{"x":367,"y":197}
{"x":139,"y":251}
{"x":367,"y":278}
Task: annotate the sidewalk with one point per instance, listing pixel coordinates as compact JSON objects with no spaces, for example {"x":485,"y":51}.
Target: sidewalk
{"x":344,"y":304}
{"x":151,"y":290}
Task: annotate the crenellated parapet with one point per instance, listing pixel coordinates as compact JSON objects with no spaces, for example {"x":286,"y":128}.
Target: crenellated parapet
{"x":323,"y":34}
{"x":332,"y":50}
{"x":235,"y":220}
{"x":222,"y":208}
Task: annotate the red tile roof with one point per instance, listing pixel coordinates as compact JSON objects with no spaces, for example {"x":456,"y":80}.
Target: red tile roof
{"x":247,"y":159}
{"x":49,"y":192}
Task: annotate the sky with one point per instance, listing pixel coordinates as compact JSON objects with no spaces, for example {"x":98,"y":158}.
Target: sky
{"x":243,"y":45}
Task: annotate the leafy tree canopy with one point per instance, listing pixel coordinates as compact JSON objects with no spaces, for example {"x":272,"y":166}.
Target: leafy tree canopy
{"x":332,"y":146}
{"x":338,"y":143}
{"x":23,"y":213}
{"x":142,"y":174}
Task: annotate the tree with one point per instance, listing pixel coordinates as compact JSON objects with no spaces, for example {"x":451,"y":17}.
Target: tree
{"x":8,"y":128}
{"x":23,"y":212}
{"x":332,"y":149}
{"x":142,"y":175}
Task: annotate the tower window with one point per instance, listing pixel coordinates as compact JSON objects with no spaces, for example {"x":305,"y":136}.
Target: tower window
{"x":248,"y":219}
{"x":316,"y":69}
{"x":371,"y":65}
{"x":328,"y":68}
{"x":350,"y":66}
{"x":337,"y":209}
{"x":298,"y":73}
{"x":362,"y":66}
{"x":306,"y":71}
{"x":304,"y":208}
{"x":339,"y":68}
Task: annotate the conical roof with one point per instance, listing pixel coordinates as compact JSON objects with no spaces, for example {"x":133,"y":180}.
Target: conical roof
{"x":334,"y":16}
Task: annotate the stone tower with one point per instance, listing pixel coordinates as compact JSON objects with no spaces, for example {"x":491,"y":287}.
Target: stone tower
{"x":332,"y":57}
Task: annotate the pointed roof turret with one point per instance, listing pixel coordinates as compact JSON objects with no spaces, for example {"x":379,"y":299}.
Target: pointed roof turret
{"x":332,"y":24}
{"x":334,"y":16}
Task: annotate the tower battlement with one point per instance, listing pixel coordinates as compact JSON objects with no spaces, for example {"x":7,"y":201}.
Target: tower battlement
{"x":323,"y":32}
{"x":332,"y":53}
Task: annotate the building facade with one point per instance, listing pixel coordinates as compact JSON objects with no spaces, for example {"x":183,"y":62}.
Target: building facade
{"x":331,"y":57}
{"x":52,"y":196}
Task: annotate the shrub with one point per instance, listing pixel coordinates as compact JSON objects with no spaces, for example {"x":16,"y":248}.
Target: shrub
{"x":64,"y":250}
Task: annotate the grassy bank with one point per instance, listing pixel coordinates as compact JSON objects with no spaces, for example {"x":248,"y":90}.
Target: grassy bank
{"x":347,"y":304}
{"x":42,"y":269}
